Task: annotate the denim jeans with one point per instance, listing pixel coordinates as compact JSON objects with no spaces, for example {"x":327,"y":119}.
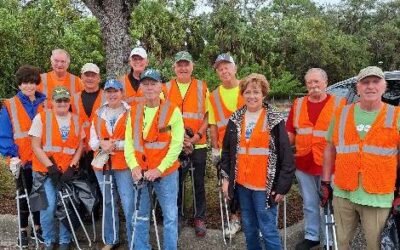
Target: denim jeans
{"x":314,"y":227}
{"x":257,"y":218}
{"x":47,"y":216}
{"x":166,"y":190}
{"x":124,"y":189}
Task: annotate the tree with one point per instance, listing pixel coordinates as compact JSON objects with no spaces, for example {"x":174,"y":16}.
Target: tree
{"x":114,"y":17}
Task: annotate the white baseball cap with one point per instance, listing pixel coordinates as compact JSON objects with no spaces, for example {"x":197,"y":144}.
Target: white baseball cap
{"x":139,"y":51}
{"x":90,"y":67}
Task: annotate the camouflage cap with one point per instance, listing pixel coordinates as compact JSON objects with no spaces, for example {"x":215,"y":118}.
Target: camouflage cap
{"x":183,"y":56}
{"x":61,"y":92}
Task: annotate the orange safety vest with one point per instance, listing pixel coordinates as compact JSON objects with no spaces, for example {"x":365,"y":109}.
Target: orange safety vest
{"x":61,"y":151}
{"x":309,"y":137}
{"x":150,"y":151}
{"x":84,"y":119}
{"x":192,"y":105}
{"x":375,"y":157}
{"x":253,"y":155}
{"x":222,"y":113}
{"x":117,"y":159}
{"x":131,"y":95}
{"x":49,"y":82}
{"x":21,"y":123}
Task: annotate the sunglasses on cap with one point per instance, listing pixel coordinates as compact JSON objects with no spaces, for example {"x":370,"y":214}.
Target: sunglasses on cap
{"x":65,"y":100}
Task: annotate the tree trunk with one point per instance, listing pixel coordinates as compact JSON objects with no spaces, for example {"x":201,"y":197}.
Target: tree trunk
{"x":114,"y":18}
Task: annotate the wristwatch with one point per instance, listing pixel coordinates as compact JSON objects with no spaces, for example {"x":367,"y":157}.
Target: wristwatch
{"x":200,"y":134}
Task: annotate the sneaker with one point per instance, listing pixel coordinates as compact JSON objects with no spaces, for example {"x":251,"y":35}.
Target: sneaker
{"x":39,"y":235}
{"x":64,"y":246}
{"x":307,"y":244}
{"x":235,"y":227}
{"x":200,"y":228}
{"x":24,"y":241}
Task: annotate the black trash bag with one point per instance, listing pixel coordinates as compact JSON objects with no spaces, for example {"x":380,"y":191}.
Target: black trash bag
{"x":37,"y":197}
{"x":61,"y":211}
{"x":389,"y":238}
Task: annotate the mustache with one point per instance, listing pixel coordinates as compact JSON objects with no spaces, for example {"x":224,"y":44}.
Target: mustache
{"x":315,"y":90}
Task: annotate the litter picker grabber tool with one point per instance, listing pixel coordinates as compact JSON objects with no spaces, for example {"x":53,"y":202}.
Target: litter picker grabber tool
{"x":284,"y":222}
{"x":153,"y":213}
{"x":223,"y":207}
{"x":65,"y":194}
{"x":108,"y":182}
{"x":330,"y":225}
{"x":19,"y":196}
{"x":139,"y":187}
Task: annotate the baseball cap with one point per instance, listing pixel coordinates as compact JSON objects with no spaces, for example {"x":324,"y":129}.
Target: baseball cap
{"x":139,"y":51}
{"x":90,"y":67}
{"x":114,"y":84}
{"x":223,"y":58}
{"x":370,"y":71}
{"x":151,"y":74}
{"x":183,"y":56}
{"x":60,"y":92}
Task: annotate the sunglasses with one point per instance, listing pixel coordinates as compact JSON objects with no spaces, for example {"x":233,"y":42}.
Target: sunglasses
{"x":65,"y":100}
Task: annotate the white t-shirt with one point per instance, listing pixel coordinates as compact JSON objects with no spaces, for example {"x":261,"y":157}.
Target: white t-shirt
{"x":251,"y":119}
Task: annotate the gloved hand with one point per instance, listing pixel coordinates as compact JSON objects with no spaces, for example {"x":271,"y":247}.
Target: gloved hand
{"x":215,"y":156}
{"x":68,"y":174}
{"x":15,"y":166}
{"x":396,"y":205}
{"x":325,"y":193}
{"x":54,"y":173}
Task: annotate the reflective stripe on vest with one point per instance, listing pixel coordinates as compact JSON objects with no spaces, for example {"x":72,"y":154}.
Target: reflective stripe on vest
{"x":155,"y":145}
{"x":48,"y":147}
{"x":353,"y":148}
{"x":163,"y":114}
{"x":297,"y":114}
{"x":18,"y":134}
{"x":71,"y":83}
{"x":254,"y":151}
{"x":223,"y":121}
{"x":136,"y":131}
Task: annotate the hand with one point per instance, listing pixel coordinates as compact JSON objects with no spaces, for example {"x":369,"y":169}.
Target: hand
{"x":107,"y":145}
{"x":137,"y":173}
{"x":215,"y":156}
{"x":325,"y":193}
{"x":396,"y":205}
{"x":188,"y":148}
{"x":277,"y":197}
{"x":152,"y":174}
{"x":225,"y":186}
{"x":54,"y":173}
{"x":68,"y":174}
{"x":15,"y":166}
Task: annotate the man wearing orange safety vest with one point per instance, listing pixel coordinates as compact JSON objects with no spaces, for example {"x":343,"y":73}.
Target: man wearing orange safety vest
{"x":59,"y":76}
{"x":57,"y":143}
{"x":153,"y":141}
{"x":191,"y":96}
{"x":307,"y":125}
{"x":363,"y":142}
{"x":224,"y":100}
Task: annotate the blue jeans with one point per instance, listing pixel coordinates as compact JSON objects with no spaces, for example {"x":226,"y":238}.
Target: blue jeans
{"x":47,"y":216}
{"x":122,"y":188}
{"x":166,"y":191}
{"x":313,"y":214}
{"x":257,"y":218}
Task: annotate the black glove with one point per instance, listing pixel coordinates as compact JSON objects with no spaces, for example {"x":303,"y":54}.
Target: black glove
{"x":325,"y":193}
{"x":54,"y":173}
{"x":68,"y":174}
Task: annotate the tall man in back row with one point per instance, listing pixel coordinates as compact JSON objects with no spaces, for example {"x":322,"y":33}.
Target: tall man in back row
{"x":191,"y":96}
{"x":307,"y":124}
{"x":363,"y":144}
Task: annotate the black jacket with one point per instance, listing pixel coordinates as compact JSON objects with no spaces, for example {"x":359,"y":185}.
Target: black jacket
{"x":282,"y":162}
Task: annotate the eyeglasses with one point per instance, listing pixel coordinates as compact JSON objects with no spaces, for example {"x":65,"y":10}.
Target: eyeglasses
{"x":65,"y":100}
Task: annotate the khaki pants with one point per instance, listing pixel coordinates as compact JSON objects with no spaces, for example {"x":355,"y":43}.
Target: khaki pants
{"x":347,"y":214}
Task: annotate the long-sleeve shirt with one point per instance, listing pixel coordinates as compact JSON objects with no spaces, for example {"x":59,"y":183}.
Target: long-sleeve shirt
{"x":175,"y":147}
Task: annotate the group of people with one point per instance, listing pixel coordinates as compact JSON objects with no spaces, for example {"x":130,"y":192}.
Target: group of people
{"x":128,"y":137}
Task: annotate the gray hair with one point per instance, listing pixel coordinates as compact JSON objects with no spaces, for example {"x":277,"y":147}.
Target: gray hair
{"x":322,"y":72}
{"x":60,"y":51}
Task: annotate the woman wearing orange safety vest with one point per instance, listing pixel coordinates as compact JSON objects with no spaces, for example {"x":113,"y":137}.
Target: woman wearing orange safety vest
{"x":107,"y":134}
{"x":57,"y":143}
{"x":257,"y":161}
{"x":154,"y":138}
{"x":15,"y":120}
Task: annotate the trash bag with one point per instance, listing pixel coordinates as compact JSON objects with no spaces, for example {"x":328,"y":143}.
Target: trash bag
{"x":389,"y":238}
{"x":37,"y":197}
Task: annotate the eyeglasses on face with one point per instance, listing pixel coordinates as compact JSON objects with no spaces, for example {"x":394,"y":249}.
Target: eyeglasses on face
{"x":65,"y":100}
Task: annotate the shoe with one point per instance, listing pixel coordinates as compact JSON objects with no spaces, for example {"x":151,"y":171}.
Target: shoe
{"x":307,"y":244}
{"x":200,"y":228}
{"x":24,"y":241}
{"x":39,"y":235}
{"x":235,"y":227}
{"x":64,"y":246}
